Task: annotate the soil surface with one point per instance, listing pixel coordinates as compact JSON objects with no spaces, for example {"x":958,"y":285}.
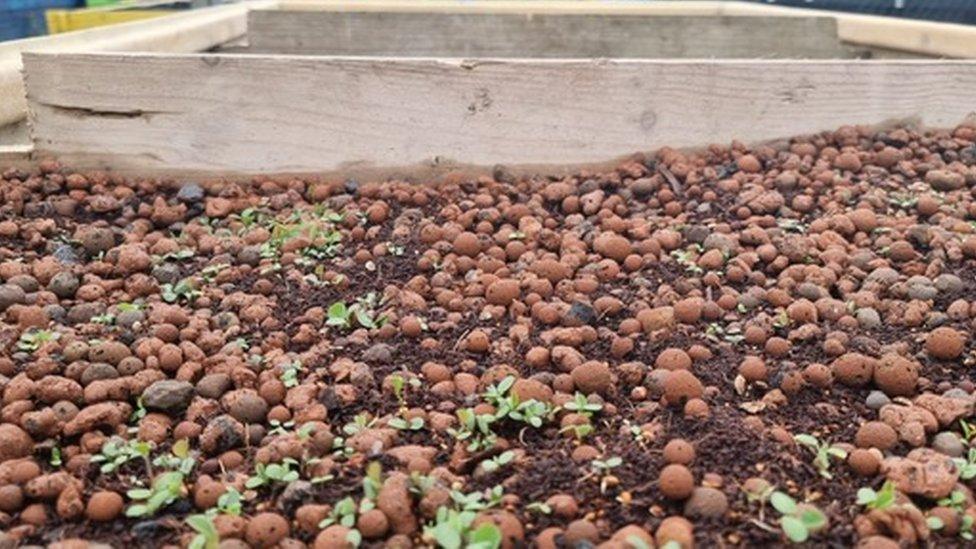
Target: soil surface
{"x":735,"y":347}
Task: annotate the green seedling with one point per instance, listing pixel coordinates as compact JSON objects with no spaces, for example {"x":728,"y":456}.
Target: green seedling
{"x":452,"y":529}
{"x":498,"y":462}
{"x":582,"y":406}
{"x":140,"y":411}
{"x":452,"y":526}
{"x":116,"y":452}
{"x":268,"y":475}
{"x":477,"y":501}
{"x":179,"y":458}
{"x":290,"y":373}
{"x":474,"y":429}
{"x":34,"y":339}
{"x":344,"y":514}
{"x":126,"y":307}
{"x":207,"y":536}
{"x":966,"y":527}
{"x":361,"y":313}
{"x":183,"y":291}
{"x":956,"y":500}
{"x":687,"y":260}
{"x":603,"y":468}
{"x":968,"y":431}
{"x":165,"y":490}
{"x":359,"y":423}
{"x":881,"y":499}
{"x":106,"y":319}
{"x":797,"y":522}
{"x":402,"y":424}
{"x":822,"y":453}
{"x":507,"y":405}
{"x":230,"y":502}
{"x":580,"y":431}
{"x":967,"y":465}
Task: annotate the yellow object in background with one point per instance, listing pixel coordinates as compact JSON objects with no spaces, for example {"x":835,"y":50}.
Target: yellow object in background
{"x":72,"y":20}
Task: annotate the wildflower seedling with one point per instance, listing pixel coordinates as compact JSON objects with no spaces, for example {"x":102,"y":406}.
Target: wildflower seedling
{"x":182,"y":291}
{"x":475,"y":429}
{"x":497,"y":462}
{"x":166,"y":489}
{"x":32,"y":340}
{"x":881,"y":499}
{"x":797,"y":522}
{"x":207,"y":536}
{"x":822,"y":453}
{"x":267,"y":475}
{"x":967,"y":465}
{"x":116,"y":452}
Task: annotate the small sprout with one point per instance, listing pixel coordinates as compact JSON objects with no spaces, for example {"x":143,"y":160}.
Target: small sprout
{"x":822,"y":453}
{"x":34,"y":339}
{"x":498,"y":462}
{"x":128,"y":307}
{"x":968,"y":431}
{"x":116,"y":452}
{"x":139,"y":412}
{"x":402,"y":424}
{"x":267,"y":475}
{"x":580,"y":431}
{"x":474,"y":428}
{"x":229,"y":503}
{"x":967,"y":465}
{"x":343,"y":513}
{"x":605,"y":466}
{"x":966,"y":527}
{"x":882,"y":499}
{"x":207,"y":536}
{"x":582,"y":406}
{"x":956,"y":500}
{"x":362,"y":312}
{"x":797,"y":522}
{"x":359,"y":423}
{"x":278,"y":428}
{"x":179,"y":458}
{"x":182,"y":291}
{"x":165,"y":490}
{"x":398,"y":383}
{"x":106,"y":319}
{"x":395,"y":249}
{"x":452,"y":529}
{"x":290,"y":373}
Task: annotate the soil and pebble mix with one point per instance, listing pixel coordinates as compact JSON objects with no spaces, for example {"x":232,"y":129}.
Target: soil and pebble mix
{"x":728,"y":347}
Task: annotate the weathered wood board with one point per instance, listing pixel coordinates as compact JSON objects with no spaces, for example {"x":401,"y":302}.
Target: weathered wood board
{"x":291,"y":114}
{"x":542,"y":36}
{"x":196,"y":30}
{"x":889,"y":33}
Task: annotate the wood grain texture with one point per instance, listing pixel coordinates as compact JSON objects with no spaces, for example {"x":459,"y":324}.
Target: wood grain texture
{"x":197,"y":30}
{"x":542,"y":36}
{"x":921,"y":37}
{"x":276,"y":114}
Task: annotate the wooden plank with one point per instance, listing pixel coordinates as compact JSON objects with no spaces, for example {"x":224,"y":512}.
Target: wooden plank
{"x":196,"y":30}
{"x":289,"y":114}
{"x":920,"y":37}
{"x":541,"y":36}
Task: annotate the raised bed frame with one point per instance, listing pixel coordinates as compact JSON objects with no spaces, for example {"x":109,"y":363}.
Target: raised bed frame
{"x":220,"y":114}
